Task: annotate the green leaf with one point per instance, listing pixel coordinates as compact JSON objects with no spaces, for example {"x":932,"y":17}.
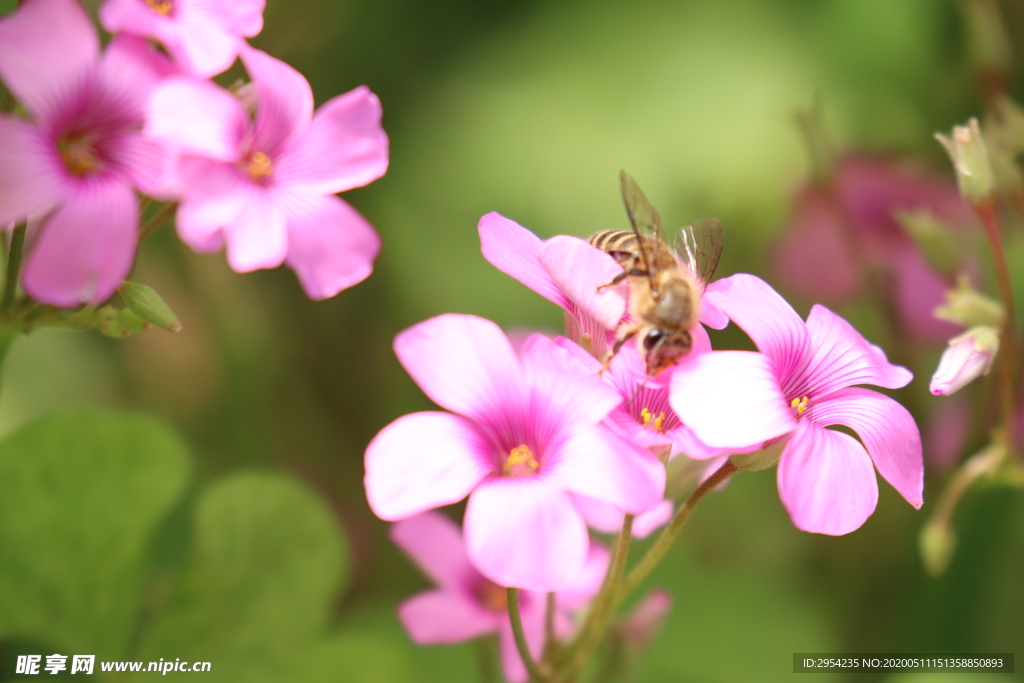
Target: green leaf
{"x":352,"y":658}
{"x":267,"y":562}
{"x":80,"y":494}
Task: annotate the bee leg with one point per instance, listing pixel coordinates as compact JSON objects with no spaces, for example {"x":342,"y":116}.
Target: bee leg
{"x":622,"y":276}
{"x":617,"y":347}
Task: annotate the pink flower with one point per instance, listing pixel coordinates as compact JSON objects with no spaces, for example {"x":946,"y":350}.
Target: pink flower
{"x":522,"y":437}
{"x":265,"y":186}
{"x":576,"y":271}
{"x":567,"y":271}
{"x":645,"y":418}
{"x":801,"y":383}
{"x":77,"y":163}
{"x":465,"y":605}
{"x":202,"y":36}
{"x":841,"y":232}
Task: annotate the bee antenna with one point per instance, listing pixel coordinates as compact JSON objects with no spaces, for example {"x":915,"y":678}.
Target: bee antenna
{"x":639,"y":388}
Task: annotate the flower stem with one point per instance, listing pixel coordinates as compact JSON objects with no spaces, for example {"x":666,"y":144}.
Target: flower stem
{"x":1008,"y":354}
{"x":592,"y":631}
{"x":13,"y":270}
{"x":668,"y":536}
{"x":516,"y":619}
{"x":157,"y":220}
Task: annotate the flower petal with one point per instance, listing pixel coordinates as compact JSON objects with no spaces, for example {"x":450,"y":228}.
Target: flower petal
{"x":826,"y":481}
{"x":710,"y":314}
{"x":525,"y":532}
{"x":201,"y":46}
{"x":465,"y":364}
{"x":32,"y":179}
{"x":130,"y":70}
{"x":443,"y":617}
{"x":217,"y":192}
{"x":562,"y":393}
{"x":515,"y":251}
{"x":131,"y":16}
{"x":768,"y":320}
{"x":330,"y":245}
{"x":579,"y":270}
{"x":242,"y":17}
{"x":730,"y":399}
{"x":197,"y":117}
{"x":423,"y":461}
{"x":86,"y":247}
{"x":285,"y":101}
{"x":577,"y":596}
{"x":841,"y":357}
{"x":434,"y":542}
{"x":344,"y":146}
{"x":596,"y":462}
{"x":258,"y":237}
{"x":48,"y":57}
{"x":888,"y":431}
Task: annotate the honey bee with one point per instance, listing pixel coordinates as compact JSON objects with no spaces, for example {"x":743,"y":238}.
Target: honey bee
{"x":666,"y":283}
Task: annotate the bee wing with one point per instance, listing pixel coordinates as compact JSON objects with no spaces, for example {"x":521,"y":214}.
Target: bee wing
{"x":644,"y":218}
{"x":701,"y":245}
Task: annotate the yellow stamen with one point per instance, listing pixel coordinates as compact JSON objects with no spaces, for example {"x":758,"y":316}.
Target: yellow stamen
{"x":163,"y":7}
{"x":260,"y":166}
{"x":800,"y":404}
{"x":659,"y":422}
{"x":520,"y":461}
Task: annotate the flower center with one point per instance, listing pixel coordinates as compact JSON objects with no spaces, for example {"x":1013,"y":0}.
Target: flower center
{"x":520,"y":462}
{"x":259,"y":166}
{"x":800,"y":404}
{"x":656,"y":424}
{"x":163,"y":7}
{"x":492,"y":596}
{"x":79,"y":154}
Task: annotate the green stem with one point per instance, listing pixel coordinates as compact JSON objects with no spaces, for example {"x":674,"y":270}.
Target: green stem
{"x":486,"y":656}
{"x":592,"y":631}
{"x":516,"y":619}
{"x":549,"y":623}
{"x":668,"y":536}
{"x":13,"y":270}
{"x":1008,"y":352}
{"x":156,"y":221}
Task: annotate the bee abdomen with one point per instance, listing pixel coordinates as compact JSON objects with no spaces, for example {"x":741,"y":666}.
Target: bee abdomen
{"x":610,"y":241}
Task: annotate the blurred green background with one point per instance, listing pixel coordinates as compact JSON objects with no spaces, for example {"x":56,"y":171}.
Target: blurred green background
{"x":530,"y":109}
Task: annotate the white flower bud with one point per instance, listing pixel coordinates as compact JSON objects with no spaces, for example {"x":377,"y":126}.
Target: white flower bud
{"x":967,"y":357}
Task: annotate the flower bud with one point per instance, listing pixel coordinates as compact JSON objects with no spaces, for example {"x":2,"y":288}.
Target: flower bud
{"x":767,"y":457}
{"x":936,"y":543}
{"x":968,"y":307}
{"x":937,"y":242}
{"x":967,"y":357}
{"x":970,"y":159}
{"x":144,"y":302}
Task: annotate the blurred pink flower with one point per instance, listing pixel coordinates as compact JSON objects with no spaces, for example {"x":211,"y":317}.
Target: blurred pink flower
{"x":800,"y":383}
{"x":841,"y":231}
{"x":265,"y":186}
{"x":523,"y":435}
{"x":639,"y":628}
{"x":77,"y":163}
{"x":465,"y":605}
{"x":203,"y":36}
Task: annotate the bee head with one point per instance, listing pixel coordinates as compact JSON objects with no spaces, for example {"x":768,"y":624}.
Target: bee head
{"x":663,"y":347}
